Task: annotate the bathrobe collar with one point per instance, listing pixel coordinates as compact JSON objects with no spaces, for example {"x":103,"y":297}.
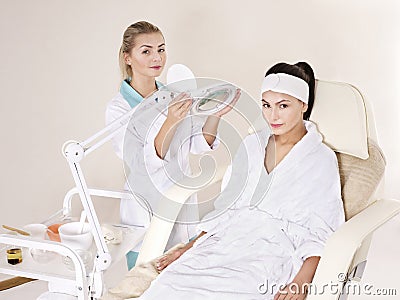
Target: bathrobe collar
{"x":302,"y":148}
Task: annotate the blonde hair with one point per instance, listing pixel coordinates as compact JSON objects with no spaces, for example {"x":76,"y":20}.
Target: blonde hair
{"x":128,"y":42}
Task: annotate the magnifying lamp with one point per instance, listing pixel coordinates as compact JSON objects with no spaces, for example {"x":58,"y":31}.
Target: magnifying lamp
{"x":207,"y":100}
{"x":212,"y":99}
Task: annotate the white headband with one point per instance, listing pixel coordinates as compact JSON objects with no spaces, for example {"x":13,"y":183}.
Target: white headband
{"x":286,"y":84}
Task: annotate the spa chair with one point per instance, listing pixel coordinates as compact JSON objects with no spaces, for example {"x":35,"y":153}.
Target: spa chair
{"x":346,"y":122}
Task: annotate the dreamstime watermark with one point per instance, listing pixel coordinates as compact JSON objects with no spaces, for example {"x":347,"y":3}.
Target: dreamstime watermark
{"x":342,"y":286}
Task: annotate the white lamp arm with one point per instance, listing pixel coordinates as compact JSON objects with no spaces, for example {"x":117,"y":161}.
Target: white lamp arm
{"x":74,"y":152}
{"x":76,"y":149}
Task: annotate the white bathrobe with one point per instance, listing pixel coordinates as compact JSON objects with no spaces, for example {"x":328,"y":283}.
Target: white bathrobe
{"x":264,"y":225}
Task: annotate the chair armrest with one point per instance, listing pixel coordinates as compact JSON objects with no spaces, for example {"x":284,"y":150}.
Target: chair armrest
{"x":344,"y":243}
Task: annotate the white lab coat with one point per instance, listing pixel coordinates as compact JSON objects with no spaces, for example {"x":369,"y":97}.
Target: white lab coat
{"x":150,"y":176}
{"x":123,"y":102}
{"x":264,"y":226}
{"x":145,"y":171}
{"x":116,"y":108}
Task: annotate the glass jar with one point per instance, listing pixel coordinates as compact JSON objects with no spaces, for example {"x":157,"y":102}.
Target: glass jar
{"x":14,"y":255}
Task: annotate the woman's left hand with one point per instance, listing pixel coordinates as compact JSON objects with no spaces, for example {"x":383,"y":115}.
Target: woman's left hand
{"x":293,"y":291}
{"x":229,"y":107}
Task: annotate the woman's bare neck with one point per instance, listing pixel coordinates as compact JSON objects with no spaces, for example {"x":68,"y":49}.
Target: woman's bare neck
{"x":144,"y":85}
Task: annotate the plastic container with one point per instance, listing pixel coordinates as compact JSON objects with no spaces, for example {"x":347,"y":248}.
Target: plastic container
{"x":42,"y":256}
{"x":52,"y":232}
{"x":71,"y":235}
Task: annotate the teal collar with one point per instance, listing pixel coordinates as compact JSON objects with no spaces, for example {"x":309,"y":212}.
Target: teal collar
{"x":130,"y":94}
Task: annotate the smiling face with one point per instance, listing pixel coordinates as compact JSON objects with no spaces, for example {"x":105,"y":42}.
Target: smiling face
{"x":284,"y":113}
{"x":148,"y":57}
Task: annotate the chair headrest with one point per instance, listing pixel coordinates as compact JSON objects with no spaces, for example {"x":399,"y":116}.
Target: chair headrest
{"x":340,"y":115}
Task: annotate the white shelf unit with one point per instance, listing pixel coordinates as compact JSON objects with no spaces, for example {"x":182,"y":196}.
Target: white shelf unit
{"x":55,"y":270}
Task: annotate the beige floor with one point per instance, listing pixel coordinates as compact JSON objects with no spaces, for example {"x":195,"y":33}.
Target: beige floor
{"x":381,"y":272}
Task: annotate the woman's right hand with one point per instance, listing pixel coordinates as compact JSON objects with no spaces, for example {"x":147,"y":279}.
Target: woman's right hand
{"x":179,"y":108}
{"x":177,"y":111}
{"x":172,"y":255}
{"x":168,"y":258}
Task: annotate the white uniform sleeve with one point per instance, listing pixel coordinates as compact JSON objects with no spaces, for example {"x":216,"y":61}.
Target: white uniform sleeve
{"x":152,"y":161}
{"x":198,"y":143}
{"x":148,"y":172}
{"x":116,"y":109}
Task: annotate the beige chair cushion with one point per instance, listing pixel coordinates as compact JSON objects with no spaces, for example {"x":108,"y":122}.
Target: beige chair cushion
{"x":360,"y":178}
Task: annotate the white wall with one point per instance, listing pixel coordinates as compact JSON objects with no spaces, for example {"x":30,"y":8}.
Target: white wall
{"x":59,"y":69}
